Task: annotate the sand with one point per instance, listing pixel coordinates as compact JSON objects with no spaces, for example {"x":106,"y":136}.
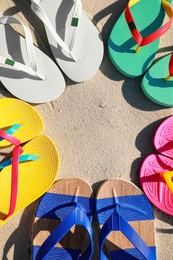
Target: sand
{"x":103,"y":128}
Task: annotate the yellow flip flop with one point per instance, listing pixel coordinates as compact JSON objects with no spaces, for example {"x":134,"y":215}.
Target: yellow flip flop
{"x":20,"y":120}
{"x":37,"y":170}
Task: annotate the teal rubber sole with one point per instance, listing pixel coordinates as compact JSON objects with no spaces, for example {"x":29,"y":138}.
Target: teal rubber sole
{"x":154,"y":85}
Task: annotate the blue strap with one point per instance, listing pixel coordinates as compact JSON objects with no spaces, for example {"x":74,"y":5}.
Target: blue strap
{"x":22,"y":158}
{"x":76,"y":217}
{"x":117,"y":223}
{"x":12,"y":130}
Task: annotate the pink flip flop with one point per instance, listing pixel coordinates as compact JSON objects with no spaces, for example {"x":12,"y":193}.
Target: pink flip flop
{"x":156,"y":176}
{"x":163,"y":139}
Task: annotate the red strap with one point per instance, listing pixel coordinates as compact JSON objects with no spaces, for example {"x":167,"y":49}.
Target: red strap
{"x":9,"y":138}
{"x":171,"y":66}
{"x":150,"y":38}
{"x":14,"y":180}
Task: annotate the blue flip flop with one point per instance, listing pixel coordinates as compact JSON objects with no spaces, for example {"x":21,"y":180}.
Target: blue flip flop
{"x":62,"y":226}
{"x":126,"y":222}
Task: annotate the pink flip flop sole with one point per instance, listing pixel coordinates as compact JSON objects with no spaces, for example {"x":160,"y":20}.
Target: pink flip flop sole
{"x":163,"y":139}
{"x":154,"y":185}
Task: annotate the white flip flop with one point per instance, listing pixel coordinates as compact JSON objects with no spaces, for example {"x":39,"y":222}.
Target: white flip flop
{"x":25,"y":71}
{"x":74,"y":40}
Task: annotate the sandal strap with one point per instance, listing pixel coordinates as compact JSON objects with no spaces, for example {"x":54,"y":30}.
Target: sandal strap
{"x":11,"y":130}
{"x":73,"y":30}
{"x":14,"y":180}
{"x":76,"y":217}
{"x":170,"y":67}
{"x":7,"y":136}
{"x":16,"y":159}
{"x":168,"y":176}
{"x":22,"y":158}
{"x":33,"y":68}
{"x":153,"y":36}
{"x":117,"y":223}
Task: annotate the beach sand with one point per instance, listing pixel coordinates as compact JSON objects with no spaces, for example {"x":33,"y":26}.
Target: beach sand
{"x":103,"y":127}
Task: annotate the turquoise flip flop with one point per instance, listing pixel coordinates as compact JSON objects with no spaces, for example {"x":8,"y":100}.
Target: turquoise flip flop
{"x":140,"y":25}
{"x":157,"y":83}
{"x":62,"y":226}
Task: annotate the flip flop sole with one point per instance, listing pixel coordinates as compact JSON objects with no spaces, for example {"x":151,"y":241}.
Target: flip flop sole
{"x":14,"y":111}
{"x":154,"y":85}
{"x":163,"y":139}
{"x":148,"y":16}
{"x":50,"y":212}
{"x":134,"y":208}
{"x":35,"y":177}
{"x":154,"y":185}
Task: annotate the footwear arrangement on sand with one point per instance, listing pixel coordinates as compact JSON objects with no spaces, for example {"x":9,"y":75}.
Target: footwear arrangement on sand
{"x":157,"y":169}
{"x":31,"y":171}
{"x":62,"y":225}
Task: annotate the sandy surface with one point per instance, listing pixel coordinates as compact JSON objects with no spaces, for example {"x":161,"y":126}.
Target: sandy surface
{"x":103,"y":128}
